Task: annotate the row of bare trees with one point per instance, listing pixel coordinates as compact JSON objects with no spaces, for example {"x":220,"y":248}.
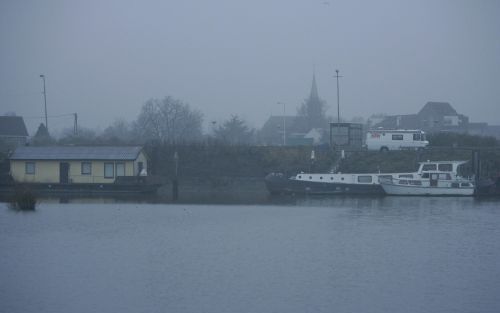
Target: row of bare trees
{"x":166,"y":120}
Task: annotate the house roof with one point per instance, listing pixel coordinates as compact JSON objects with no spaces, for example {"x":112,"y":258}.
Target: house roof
{"x":292,"y":124}
{"x":76,"y":153}
{"x":437,"y":109}
{"x":408,"y":121}
{"x":12,"y":126}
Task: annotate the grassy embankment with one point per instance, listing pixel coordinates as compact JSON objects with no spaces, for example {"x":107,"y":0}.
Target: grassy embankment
{"x":206,"y":161}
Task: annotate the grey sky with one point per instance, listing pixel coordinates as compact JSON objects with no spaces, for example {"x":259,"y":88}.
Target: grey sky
{"x":104,"y":59}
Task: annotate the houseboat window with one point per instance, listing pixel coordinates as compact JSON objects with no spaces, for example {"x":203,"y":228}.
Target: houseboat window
{"x":300,"y":176}
{"x":30,"y":168}
{"x":86,"y":168}
{"x":465,"y":184}
{"x":397,"y":137}
{"x":455,"y":185}
{"x":405,"y":176}
{"x":429,"y":167}
{"x":120,"y":169}
{"x":446,"y":167}
{"x":416,"y":137}
{"x":403,"y":182}
{"x":109,"y":170}
{"x":444,"y":176}
{"x":384,"y":177}
{"x":415,"y":182}
{"x":425,"y":175}
{"x":364,"y":179}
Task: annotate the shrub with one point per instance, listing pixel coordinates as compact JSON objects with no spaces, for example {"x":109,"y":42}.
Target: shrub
{"x":23,"y":200}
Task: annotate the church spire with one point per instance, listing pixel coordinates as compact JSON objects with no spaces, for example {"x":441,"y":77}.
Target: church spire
{"x":314,"y":89}
{"x":313,"y":108}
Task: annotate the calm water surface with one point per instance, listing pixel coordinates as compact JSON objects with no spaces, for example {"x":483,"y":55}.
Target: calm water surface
{"x":305,"y":255}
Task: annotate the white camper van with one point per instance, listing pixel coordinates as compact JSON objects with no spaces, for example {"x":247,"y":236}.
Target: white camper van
{"x":395,"y":139}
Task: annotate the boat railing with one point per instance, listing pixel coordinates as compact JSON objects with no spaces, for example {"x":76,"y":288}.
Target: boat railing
{"x":456,"y":182}
{"x":400,"y":181}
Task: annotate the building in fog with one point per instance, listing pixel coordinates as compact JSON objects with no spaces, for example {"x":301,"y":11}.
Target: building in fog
{"x":13,"y":131}
{"x":437,"y":117}
{"x":76,"y":165}
{"x":309,"y":127}
{"x":434,"y":116}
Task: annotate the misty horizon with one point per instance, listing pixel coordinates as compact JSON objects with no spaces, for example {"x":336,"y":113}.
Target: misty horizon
{"x":105,"y":60}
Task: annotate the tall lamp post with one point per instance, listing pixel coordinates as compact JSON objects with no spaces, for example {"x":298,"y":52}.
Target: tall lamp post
{"x":45,"y":102}
{"x":284,"y":123}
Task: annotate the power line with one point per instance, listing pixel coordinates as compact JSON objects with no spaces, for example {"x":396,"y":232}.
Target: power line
{"x":49,"y":116}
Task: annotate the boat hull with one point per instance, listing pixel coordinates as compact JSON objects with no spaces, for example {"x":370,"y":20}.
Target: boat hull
{"x":279,"y":184}
{"x":399,"y":190}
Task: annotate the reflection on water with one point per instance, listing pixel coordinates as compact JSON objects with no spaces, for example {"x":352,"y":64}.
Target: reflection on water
{"x":289,"y":254}
{"x":353,"y":201}
{"x":263,"y":198}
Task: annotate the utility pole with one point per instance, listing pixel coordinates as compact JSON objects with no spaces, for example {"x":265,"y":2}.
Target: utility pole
{"x":175,"y":182}
{"x":338,"y":96}
{"x":75,"y":130}
{"x":45,"y":102}
{"x":284,"y":123}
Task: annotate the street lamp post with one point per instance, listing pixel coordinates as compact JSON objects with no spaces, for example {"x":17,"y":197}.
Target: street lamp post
{"x":45,"y":102}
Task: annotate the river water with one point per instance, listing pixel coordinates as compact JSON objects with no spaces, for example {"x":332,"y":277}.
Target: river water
{"x":298,"y":255}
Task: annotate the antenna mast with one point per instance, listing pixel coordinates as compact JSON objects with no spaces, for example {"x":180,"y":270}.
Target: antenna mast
{"x":338,"y":96}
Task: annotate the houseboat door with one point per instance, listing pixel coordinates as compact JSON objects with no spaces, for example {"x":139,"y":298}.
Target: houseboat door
{"x":63,"y":173}
{"x":434,"y":180}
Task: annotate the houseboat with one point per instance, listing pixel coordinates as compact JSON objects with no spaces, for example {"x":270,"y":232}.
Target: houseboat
{"x":439,"y":179}
{"x":329,"y":183}
{"x":78,"y":169}
{"x":348,"y":183}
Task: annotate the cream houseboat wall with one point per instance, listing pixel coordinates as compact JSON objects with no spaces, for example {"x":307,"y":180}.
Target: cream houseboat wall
{"x":140,"y":158}
{"x":48,"y":171}
{"x":45,"y":172}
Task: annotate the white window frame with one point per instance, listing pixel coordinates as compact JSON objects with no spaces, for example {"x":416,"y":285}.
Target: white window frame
{"x":122,"y":165}
{"x":89,"y":168}
{"x":26,"y":164}
{"x":109,"y":165}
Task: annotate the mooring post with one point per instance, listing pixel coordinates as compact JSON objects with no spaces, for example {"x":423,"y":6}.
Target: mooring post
{"x":313,"y":160}
{"x":476,"y":164}
{"x":175,"y":182}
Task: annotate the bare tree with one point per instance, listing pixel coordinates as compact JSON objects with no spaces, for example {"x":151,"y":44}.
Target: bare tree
{"x":169,"y":120}
{"x":120,"y":131}
{"x":85,"y":136}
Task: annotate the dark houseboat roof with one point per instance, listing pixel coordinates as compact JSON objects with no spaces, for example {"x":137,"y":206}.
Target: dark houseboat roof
{"x":76,"y":153}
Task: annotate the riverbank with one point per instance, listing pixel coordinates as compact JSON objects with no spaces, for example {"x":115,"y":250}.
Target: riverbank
{"x":205,"y":162}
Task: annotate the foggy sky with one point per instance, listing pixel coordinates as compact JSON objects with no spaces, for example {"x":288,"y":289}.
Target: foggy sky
{"x":104,"y":59}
